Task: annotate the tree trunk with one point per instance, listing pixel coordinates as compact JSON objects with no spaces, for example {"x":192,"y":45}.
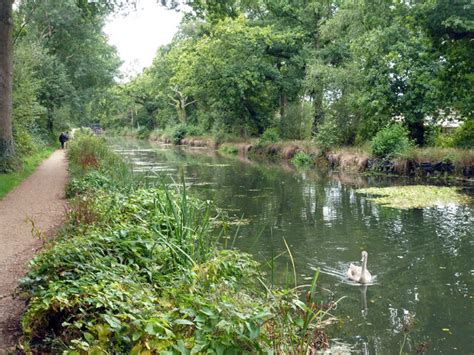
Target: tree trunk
{"x":319,"y":90}
{"x":7,"y":150}
{"x":283,"y":104}
{"x":417,"y":132}
{"x":318,"y":108}
{"x":181,"y":108}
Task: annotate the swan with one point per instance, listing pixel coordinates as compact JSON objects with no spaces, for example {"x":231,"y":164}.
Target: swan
{"x":360,"y":274}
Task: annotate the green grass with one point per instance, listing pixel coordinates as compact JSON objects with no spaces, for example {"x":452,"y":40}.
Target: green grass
{"x":9,"y":181}
{"x":417,"y":196}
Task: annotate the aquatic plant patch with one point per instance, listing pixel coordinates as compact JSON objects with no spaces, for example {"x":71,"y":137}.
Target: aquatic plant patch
{"x":415,"y":196}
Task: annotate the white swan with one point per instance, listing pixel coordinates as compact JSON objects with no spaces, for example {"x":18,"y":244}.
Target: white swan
{"x":360,"y":274}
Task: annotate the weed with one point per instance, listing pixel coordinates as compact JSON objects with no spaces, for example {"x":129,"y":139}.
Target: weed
{"x":302,"y":159}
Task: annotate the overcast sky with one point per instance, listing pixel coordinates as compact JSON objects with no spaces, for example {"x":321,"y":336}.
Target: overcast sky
{"x":138,"y":35}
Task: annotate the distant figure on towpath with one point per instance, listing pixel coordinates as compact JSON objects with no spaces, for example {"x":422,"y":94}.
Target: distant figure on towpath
{"x":63,"y":138}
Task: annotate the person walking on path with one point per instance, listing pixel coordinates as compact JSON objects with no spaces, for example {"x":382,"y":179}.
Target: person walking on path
{"x":39,"y":198}
{"x":63,"y":138}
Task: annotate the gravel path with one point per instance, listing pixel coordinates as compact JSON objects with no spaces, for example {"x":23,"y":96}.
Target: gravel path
{"x":40,"y":198}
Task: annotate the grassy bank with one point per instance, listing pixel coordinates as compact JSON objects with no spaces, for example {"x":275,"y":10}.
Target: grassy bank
{"x":29,"y":164}
{"x":138,"y":270}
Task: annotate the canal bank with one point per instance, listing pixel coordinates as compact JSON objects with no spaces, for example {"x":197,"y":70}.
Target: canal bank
{"x":439,"y":163}
{"x":420,"y":256}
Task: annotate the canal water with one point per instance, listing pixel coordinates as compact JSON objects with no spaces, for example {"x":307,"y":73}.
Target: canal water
{"x":422,"y":259}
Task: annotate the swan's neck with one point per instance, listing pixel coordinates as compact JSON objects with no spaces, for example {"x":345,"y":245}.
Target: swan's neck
{"x":364,"y":265}
{"x":362,"y":273}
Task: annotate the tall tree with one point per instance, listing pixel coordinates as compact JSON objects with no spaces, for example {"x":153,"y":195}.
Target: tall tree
{"x":7,"y":150}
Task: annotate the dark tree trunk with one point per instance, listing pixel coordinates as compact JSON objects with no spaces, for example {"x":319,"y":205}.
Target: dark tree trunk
{"x":283,"y":104}
{"x":318,"y":109}
{"x":7,"y":150}
{"x":319,"y":90}
{"x":417,"y":132}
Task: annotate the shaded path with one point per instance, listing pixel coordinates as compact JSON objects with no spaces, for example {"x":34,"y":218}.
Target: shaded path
{"x":39,"y":198}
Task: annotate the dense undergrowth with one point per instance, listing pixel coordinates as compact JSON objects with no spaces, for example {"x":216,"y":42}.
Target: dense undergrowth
{"x":136,"y":269}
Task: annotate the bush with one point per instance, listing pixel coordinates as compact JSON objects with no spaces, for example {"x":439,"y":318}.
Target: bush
{"x":391,"y":141}
{"x":443,"y":141}
{"x":463,"y":136}
{"x":329,"y":134}
{"x":194,"y":131}
{"x":24,"y":142}
{"x":302,"y":159}
{"x":270,"y":135}
{"x":175,"y":133}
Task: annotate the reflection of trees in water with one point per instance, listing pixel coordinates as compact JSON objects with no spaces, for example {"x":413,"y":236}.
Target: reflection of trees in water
{"x":421,"y":257}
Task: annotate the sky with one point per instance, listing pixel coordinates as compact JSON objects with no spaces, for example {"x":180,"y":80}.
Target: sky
{"x":138,"y":34}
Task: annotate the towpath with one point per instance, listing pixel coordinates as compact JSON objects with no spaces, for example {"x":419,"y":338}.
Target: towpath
{"x":39,"y":198}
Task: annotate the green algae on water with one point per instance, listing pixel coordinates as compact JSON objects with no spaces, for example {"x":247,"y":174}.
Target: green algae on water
{"x":415,"y":196}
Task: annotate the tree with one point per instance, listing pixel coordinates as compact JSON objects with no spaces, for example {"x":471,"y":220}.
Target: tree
{"x":7,"y":150}
{"x":71,"y":32}
{"x":180,"y":102}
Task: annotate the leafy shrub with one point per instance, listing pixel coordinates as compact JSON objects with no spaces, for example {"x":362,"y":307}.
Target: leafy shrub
{"x":434,"y":137}
{"x":270,"y":135}
{"x":463,"y":136}
{"x":329,"y":134}
{"x":179,"y":132}
{"x":93,"y":180}
{"x":24,"y":142}
{"x":302,"y":159}
{"x":391,"y":141}
{"x":194,"y":130}
{"x":443,"y":141}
